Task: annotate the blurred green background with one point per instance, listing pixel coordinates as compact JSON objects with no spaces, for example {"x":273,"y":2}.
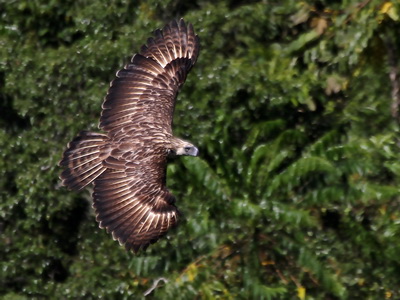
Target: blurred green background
{"x":294,"y":107}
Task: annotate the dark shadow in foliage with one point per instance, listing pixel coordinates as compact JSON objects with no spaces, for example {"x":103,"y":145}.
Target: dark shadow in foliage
{"x":64,"y":226}
{"x":9,"y":117}
{"x":331,"y":219}
{"x":55,"y":270}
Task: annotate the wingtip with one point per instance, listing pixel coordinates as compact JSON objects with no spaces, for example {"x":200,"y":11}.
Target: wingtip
{"x":182,"y":23}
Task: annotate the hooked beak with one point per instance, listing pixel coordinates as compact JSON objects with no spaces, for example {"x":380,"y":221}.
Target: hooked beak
{"x":194,"y":151}
{"x":191,"y":151}
{"x":187,"y":149}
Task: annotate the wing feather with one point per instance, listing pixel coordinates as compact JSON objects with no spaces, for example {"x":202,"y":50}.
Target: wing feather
{"x":133,"y":204}
{"x":147,"y":87}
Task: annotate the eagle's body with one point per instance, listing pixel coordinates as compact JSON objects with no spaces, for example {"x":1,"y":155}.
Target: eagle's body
{"x":127,"y":163}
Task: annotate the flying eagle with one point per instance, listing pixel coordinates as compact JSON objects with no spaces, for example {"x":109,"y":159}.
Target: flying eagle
{"x":127,"y":163}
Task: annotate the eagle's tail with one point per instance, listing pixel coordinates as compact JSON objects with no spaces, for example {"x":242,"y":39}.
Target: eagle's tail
{"x":83,"y":160}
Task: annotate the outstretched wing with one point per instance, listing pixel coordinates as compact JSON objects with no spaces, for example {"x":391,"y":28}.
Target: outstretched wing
{"x":131,"y":201}
{"x":144,"y":91}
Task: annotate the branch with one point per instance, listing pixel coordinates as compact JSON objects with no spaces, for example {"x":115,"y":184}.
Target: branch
{"x":155,"y":284}
{"x":393,"y":76}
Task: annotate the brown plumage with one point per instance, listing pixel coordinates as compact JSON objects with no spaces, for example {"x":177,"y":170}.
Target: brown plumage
{"x":127,"y":163}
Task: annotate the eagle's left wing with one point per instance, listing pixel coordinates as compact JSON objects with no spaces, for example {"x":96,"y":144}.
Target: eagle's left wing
{"x":132,"y":202}
{"x":144,"y":92}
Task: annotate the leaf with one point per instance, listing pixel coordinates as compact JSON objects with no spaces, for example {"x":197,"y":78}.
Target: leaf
{"x":319,"y":24}
{"x":390,"y":10}
{"x":302,"y":41}
{"x":292,"y":176}
{"x":301,"y":292}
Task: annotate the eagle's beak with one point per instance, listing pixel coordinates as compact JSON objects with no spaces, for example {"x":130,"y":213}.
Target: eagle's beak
{"x":190,"y":151}
{"x":194,"y":151}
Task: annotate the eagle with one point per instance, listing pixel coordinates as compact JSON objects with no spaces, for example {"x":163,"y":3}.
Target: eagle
{"x":127,"y":162}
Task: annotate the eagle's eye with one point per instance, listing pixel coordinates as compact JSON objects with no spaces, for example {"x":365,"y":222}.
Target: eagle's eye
{"x":187,"y":149}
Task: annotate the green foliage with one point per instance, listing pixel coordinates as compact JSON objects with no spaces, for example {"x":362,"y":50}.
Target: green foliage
{"x":296,"y":192}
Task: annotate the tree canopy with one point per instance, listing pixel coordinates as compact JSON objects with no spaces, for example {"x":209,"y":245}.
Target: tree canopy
{"x":294,"y":106}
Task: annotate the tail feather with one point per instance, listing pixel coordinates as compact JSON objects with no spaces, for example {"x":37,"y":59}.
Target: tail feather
{"x":83,"y":160}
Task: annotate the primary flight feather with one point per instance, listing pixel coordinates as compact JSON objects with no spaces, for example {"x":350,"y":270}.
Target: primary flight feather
{"x":127,"y":163}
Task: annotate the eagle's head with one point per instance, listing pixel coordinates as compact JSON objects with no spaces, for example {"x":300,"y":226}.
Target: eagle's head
{"x":181,"y":147}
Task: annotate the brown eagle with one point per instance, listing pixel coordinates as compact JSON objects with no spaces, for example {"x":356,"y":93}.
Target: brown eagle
{"x":127,"y":163}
